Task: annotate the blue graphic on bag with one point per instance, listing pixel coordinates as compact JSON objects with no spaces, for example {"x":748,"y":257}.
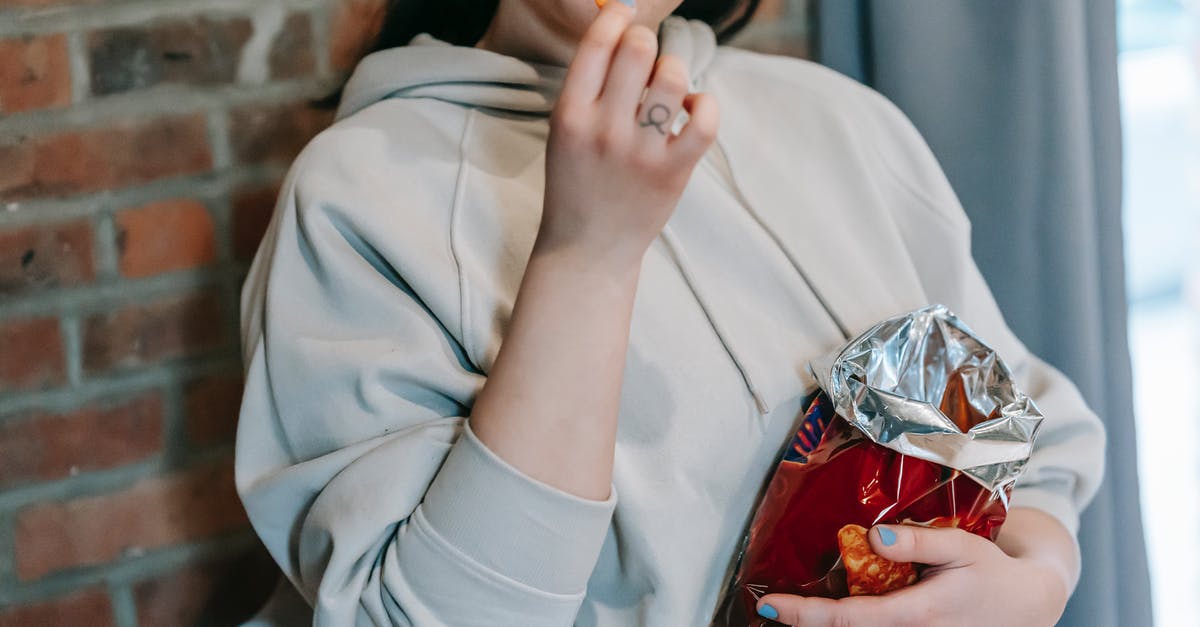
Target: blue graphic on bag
{"x":816,"y":420}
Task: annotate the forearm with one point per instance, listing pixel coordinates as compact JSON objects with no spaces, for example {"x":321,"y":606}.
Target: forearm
{"x":550,"y":404}
{"x":1035,"y":535}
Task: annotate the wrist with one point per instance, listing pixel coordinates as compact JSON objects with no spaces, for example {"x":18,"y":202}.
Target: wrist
{"x":619,"y":263}
{"x":1039,"y":539}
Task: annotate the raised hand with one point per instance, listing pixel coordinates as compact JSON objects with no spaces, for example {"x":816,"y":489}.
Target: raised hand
{"x":614,"y":169}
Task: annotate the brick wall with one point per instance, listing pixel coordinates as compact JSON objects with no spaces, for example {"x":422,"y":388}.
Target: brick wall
{"x":141,"y":147}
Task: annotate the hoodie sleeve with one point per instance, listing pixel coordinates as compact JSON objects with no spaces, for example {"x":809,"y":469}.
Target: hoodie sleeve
{"x":355,"y":459}
{"x":1067,"y":464}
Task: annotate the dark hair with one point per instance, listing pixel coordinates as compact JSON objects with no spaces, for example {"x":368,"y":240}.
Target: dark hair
{"x":463,"y":22}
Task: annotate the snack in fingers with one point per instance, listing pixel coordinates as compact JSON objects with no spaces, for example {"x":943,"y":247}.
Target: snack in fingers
{"x":866,"y":571}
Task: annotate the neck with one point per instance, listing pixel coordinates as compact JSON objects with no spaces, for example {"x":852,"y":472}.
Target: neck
{"x":519,"y":31}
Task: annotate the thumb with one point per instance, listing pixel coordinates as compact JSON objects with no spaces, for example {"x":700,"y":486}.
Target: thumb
{"x":935,"y":546}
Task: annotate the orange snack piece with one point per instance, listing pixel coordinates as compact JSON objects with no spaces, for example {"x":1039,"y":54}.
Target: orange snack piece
{"x":956,"y":404}
{"x":866,"y":571}
{"x":600,"y":3}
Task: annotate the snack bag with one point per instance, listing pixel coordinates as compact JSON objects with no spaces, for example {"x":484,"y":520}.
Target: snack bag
{"x":917,"y":421}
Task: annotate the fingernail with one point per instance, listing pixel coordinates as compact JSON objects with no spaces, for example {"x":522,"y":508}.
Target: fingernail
{"x":886,"y":536}
{"x":628,"y":3}
{"x":767,"y":611}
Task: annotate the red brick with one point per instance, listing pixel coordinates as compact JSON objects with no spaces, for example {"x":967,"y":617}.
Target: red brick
{"x":35,"y":73}
{"x":278,"y":132}
{"x":127,"y":152}
{"x":291,"y":53}
{"x":252,"y":211}
{"x":89,"y":607}
{"x":212,"y":406}
{"x":31,"y":354}
{"x":352,"y":29}
{"x":771,"y":10}
{"x":141,"y":334}
{"x":47,"y":255}
{"x":164,"y":236}
{"x":20,"y":161}
{"x":195,"y":50}
{"x":52,"y":446}
{"x":786,"y":34}
{"x":222,"y":593}
{"x":153,"y":513}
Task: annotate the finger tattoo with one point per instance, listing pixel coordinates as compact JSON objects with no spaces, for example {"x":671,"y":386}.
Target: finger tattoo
{"x":657,"y":115}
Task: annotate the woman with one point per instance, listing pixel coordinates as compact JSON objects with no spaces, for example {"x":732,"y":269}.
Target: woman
{"x":658,"y":295}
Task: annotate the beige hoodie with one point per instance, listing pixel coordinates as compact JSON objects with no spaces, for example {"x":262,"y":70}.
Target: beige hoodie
{"x":378,"y":301}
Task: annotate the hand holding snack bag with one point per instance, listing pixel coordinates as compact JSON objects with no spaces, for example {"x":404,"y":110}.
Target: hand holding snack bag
{"x":917,"y":422}
{"x":866,"y":572}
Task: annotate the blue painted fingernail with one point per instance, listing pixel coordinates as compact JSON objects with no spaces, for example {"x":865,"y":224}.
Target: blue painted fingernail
{"x":767,"y":611}
{"x":627,"y":3}
{"x":886,"y":536}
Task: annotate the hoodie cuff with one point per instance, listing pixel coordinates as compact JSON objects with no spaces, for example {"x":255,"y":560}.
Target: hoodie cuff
{"x":1051,"y":502}
{"x":512,"y":524}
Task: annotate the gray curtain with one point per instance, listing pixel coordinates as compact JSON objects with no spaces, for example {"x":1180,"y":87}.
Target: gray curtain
{"x":1019,"y":100}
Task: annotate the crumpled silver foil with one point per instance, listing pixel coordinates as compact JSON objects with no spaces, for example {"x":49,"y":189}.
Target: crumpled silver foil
{"x":889,"y":383}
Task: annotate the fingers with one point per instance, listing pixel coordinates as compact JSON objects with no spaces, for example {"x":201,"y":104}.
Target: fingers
{"x":664,"y":96}
{"x":946,"y":546}
{"x":612,"y":68}
{"x":819,"y":612}
{"x":701,"y":129}
{"x":589,"y":67}
{"x":630,"y":71}
{"x":935,"y":597}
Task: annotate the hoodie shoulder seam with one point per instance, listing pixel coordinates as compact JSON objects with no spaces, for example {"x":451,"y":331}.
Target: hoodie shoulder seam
{"x":850,"y":101}
{"x":460,"y":183}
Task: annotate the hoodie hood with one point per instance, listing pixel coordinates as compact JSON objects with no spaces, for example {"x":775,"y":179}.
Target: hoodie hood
{"x":431,"y":68}
{"x":481,"y":79}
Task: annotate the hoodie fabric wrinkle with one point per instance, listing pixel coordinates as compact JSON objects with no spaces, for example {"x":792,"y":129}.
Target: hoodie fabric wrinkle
{"x":380,"y":296}
{"x":487,"y":80}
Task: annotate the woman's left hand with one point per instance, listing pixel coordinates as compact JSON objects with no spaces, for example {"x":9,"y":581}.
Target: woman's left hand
{"x":968,"y":580}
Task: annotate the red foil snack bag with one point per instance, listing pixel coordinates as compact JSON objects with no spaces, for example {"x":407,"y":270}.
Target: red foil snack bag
{"x":917,"y":421}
